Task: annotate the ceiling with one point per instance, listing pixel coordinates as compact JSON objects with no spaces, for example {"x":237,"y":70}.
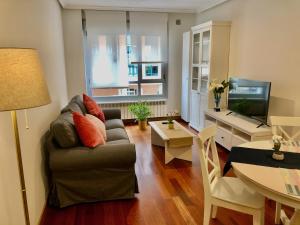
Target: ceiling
{"x":184,"y":6}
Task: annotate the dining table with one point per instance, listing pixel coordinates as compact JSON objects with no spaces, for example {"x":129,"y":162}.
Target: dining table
{"x":271,"y":182}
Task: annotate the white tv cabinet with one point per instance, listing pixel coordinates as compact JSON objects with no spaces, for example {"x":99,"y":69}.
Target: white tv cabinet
{"x":234,"y":129}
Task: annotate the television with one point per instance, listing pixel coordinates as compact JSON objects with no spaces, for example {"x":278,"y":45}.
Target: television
{"x":249,"y":98}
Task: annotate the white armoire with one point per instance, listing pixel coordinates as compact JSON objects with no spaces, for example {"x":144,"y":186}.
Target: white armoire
{"x":209,"y":61}
{"x":185,"y":79}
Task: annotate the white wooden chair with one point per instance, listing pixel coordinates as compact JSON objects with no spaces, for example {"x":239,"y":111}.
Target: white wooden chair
{"x":227,"y":192}
{"x":283,"y":126}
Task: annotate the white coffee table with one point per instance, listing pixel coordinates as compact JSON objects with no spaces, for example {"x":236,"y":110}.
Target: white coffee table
{"x":177,"y":142}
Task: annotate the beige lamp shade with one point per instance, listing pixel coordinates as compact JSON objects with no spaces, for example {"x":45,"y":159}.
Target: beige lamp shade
{"x":22,"y":83}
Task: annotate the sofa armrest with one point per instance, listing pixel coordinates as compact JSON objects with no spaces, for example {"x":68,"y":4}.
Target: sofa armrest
{"x":117,"y":156}
{"x":112,"y":114}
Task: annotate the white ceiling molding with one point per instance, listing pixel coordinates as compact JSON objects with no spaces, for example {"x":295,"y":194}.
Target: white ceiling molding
{"x":182,"y":6}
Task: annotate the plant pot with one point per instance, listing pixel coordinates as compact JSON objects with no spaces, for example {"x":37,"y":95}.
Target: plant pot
{"x":171,"y":125}
{"x":278,"y":155}
{"x":142,"y":124}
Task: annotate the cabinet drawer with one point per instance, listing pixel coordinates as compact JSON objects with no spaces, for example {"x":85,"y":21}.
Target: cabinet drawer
{"x":237,"y":140}
{"x":223,"y":137}
{"x":209,"y":123}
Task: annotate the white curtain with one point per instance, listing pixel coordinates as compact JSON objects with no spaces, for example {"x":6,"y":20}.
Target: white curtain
{"x":107,"y":49}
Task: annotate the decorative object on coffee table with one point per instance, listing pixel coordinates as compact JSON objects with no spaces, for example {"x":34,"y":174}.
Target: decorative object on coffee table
{"x":218,"y":89}
{"x":170,"y":118}
{"x":277,"y":154}
{"x":22,"y":86}
{"x":141,"y":111}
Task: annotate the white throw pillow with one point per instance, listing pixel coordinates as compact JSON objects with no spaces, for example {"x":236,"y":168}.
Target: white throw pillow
{"x":98,"y":123}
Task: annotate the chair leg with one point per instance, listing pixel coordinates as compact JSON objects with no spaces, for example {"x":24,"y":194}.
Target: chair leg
{"x":277,"y":213}
{"x":214,"y":211}
{"x":207,"y":212}
{"x":259,"y":218}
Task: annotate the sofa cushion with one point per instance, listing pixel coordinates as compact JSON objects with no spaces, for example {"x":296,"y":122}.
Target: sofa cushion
{"x":114,"y":123}
{"x":87,"y":131}
{"x":118,"y":142}
{"x":72,"y":107}
{"x":63,"y":131}
{"x":116,"y":134}
{"x":78,"y":100}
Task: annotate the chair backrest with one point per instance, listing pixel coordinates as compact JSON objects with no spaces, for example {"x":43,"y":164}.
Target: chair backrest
{"x":281,"y":125}
{"x":209,"y":159}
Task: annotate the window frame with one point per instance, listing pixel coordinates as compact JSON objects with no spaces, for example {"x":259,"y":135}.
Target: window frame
{"x":139,"y":82}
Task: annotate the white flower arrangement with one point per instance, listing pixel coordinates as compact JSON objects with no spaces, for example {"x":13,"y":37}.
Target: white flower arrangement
{"x":216,"y":87}
{"x":277,"y":138}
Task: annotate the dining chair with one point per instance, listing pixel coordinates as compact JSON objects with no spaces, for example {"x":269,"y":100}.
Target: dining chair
{"x":227,"y":192}
{"x":285,"y":126}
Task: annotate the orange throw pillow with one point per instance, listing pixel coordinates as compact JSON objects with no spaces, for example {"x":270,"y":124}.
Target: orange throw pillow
{"x":93,"y":108}
{"x":88,"y":133}
{"x":98,"y":123}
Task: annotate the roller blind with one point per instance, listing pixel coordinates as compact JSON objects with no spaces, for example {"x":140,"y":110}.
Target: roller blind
{"x":107,"y":49}
{"x":148,"y":32}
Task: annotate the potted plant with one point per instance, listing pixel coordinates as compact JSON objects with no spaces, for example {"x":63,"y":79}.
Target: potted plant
{"x":277,"y":154}
{"x":170,"y":118}
{"x":141,"y":111}
{"x":218,"y":89}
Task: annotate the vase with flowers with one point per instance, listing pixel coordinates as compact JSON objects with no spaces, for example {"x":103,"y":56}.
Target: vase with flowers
{"x":277,"y":154}
{"x":218,"y":89}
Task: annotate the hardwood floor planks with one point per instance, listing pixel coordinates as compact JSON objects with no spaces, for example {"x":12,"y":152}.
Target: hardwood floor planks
{"x":170,"y":194}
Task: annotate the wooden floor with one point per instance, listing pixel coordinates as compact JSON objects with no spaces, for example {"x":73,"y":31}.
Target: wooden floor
{"x":169,"y":195}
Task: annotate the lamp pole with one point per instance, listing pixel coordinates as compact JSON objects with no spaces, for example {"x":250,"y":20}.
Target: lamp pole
{"x":20,"y":165}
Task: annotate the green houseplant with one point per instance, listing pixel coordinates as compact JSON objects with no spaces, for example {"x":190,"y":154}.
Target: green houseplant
{"x":141,"y":111}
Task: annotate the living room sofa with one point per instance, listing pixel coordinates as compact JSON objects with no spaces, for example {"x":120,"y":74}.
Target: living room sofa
{"x":78,"y":174}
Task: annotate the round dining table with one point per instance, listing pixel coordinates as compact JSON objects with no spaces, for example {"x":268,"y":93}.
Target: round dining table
{"x":268,"y":181}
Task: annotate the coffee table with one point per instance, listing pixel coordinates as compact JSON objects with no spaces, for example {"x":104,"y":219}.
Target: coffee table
{"x":177,"y":142}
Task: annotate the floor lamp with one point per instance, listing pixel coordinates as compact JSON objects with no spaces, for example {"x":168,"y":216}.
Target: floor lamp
{"x":22,"y":86}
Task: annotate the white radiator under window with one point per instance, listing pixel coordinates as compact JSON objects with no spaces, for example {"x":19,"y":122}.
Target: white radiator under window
{"x":158,"y":108}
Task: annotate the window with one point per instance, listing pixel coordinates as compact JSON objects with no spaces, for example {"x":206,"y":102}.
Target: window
{"x":125,"y":55}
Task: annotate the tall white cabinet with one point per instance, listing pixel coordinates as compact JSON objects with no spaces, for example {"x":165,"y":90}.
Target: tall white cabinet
{"x":209,"y":60}
{"x":185,"y":79}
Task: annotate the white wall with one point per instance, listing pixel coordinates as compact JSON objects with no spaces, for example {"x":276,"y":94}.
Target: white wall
{"x":175,"y":56}
{"x":35,"y":24}
{"x":73,"y":42}
{"x":265,"y":46}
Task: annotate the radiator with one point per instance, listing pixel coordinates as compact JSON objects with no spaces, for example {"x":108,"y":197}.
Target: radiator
{"x":158,"y":108}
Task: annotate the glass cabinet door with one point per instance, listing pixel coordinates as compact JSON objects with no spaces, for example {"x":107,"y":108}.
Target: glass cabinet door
{"x":195,"y":78}
{"x":205,"y":47}
{"x":204,"y":79}
{"x":196,"y":48}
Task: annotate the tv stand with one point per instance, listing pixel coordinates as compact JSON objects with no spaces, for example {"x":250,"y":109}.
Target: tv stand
{"x":234,"y":129}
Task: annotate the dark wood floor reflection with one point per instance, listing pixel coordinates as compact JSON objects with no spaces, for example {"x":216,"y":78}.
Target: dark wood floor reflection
{"x":169,"y":195}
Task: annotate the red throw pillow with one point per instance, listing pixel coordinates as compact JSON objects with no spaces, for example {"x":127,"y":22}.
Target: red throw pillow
{"x":93,"y":108}
{"x":88,"y":133}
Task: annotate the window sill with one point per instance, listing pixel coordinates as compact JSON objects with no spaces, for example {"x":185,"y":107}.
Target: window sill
{"x":131,"y":101}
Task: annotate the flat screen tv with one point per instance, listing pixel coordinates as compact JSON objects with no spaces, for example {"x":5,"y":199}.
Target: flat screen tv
{"x":249,"y":98}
